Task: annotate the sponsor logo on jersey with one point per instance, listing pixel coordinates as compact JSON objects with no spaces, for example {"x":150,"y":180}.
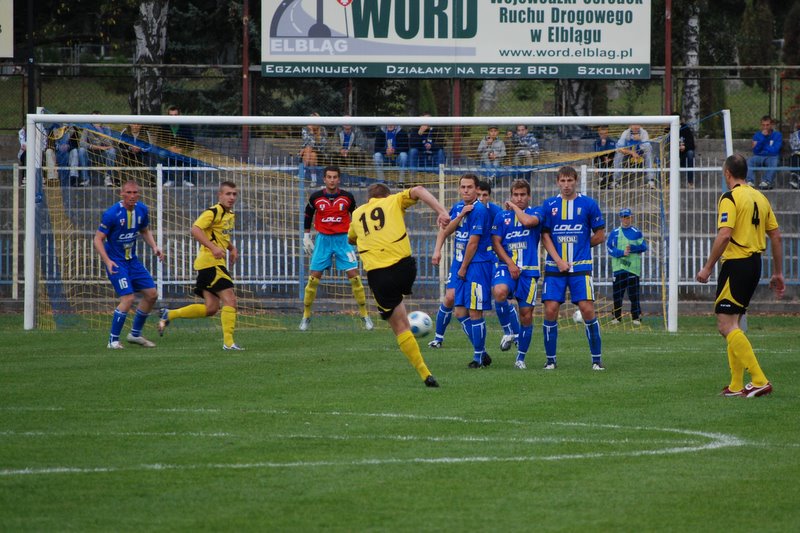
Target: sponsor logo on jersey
{"x":568,"y":227}
{"x":331,"y":220}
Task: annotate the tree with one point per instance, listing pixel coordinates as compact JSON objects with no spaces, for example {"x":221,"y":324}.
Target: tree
{"x":755,"y":38}
{"x":691,"y":45}
{"x":791,"y":36}
{"x":151,"y":44}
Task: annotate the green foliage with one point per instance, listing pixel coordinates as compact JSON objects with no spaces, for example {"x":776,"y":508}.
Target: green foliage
{"x":334,"y":431}
{"x":791,"y":36}
{"x":755,"y":38}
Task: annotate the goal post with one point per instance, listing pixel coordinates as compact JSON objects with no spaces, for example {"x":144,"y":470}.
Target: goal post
{"x":276,"y":179}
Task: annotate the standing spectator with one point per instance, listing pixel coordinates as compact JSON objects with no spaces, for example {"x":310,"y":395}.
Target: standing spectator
{"x":426,"y":147}
{"x":526,"y":147}
{"x":178,"y":140}
{"x":312,"y":150}
{"x":350,"y":145}
{"x":794,"y":161}
{"x":626,"y":244}
{"x":391,"y":146}
{"x":491,"y":149}
{"x":634,"y":146}
{"x":213,"y":230}
{"x":68,"y":158}
{"x":745,"y":219}
{"x":686,"y":152}
{"x":135,"y":146}
{"x":572,"y":225}
{"x":115,"y":241}
{"x":97,"y":147}
{"x":385,"y":248}
{"x":767,"y":144}
{"x":515,"y":239}
{"x":604,"y":144}
{"x":330,"y":210}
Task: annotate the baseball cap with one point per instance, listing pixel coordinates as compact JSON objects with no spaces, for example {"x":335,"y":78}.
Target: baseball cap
{"x":625,"y":212}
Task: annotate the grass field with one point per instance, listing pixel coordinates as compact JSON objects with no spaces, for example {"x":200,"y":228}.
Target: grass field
{"x":334,"y":431}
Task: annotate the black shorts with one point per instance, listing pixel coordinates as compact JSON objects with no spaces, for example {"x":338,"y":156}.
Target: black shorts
{"x":390,"y":284}
{"x":213,"y":279}
{"x":738,"y":280}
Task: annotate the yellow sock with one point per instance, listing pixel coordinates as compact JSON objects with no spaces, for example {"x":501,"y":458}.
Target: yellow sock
{"x":410,"y":348}
{"x":737,"y":371}
{"x":189,"y":311}
{"x":228,"y":318}
{"x":743,"y":352}
{"x":310,"y":295}
{"x":358,"y":293}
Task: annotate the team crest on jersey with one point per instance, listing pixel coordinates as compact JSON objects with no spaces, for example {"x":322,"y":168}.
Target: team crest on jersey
{"x":723,"y":217}
{"x":122,"y":222}
{"x":554,"y":211}
{"x":579,"y":210}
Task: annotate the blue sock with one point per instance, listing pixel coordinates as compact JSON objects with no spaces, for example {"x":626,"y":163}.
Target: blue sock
{"x":524,"y":341}
{"x":138,"y":323}
{"x":443,"y":318}
{"x":116,"y":325}
{"x":513,"y":319}
{"x":595,"y":344}
{"x":550,"y":333}
{"x":478,"y":337}
{"x":501,"y":309}
{"x":466,"y":326}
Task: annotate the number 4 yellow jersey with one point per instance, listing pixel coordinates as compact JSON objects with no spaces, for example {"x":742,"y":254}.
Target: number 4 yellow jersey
{"x":750,"y":215}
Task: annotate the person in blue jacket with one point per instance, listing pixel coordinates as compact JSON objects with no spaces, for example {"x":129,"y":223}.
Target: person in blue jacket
{"x":626,"y":244}
{"x":767,"y":143}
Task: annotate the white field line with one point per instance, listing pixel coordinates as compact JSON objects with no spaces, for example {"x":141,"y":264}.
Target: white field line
{"x":111,"y":434}
{"x":691,"y":442}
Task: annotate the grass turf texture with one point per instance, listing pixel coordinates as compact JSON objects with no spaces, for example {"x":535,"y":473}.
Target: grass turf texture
{"x":334,"y":431}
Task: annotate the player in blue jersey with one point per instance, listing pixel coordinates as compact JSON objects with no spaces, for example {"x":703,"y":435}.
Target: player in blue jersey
{"x":506,"y":313}
{"x":572,"y":225}
{"x":515,"y":238}
{"x":115,"y":241}
{"x":469,"y":280}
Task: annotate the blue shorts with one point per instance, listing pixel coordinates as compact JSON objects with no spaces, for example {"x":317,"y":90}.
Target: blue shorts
{"x":452,"y":276}
{"x":475,"y":291}
{"x":328,"y":246}
{"x":523,"y":289}
{"x":131,"y":276}
{"x":580,"y":286}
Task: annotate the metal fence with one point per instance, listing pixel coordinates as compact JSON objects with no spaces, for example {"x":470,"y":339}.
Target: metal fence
{"x":205,"y":89}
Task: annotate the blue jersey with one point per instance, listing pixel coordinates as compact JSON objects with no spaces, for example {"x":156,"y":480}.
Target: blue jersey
{"x":476,"y":222}
{"x":570,"y":224}
{"x":122,"y":229}
{"x":520,"y":242}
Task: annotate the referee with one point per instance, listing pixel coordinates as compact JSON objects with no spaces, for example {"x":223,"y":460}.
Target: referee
{"x":745,"y":219}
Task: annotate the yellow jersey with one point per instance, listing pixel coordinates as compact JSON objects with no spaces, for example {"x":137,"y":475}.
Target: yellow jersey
{"x":750,"y":215}
{"x":379,"y":229}
{"x":217,"y":224}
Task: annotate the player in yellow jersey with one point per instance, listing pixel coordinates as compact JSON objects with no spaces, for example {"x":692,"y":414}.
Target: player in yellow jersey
{"x":213,"y":229}
{"x":745,"y":219}
{"x":379,"y":231}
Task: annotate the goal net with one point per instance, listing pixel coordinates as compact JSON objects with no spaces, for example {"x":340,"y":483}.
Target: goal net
{"x":277,"y":162}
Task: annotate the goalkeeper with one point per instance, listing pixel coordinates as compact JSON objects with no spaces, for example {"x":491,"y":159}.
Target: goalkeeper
{"x":330,"y":209}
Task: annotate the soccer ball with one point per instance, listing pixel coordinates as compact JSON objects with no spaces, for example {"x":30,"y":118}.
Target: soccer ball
{"x":577,"y":317}
{"x":421,"y":323}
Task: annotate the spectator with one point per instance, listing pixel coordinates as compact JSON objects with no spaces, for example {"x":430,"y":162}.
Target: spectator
{"x":135,"y":146}
{"x":391,"y":146}
{"x":687,"y":152}
{"x":97,"y":147}
{"x":314,"y":144}
{"x":767,"y":143}
{"x":491,"y":149}
{"x":350,"y":145}
{"x":525,"y":145}
{"x":626,"y":244}
{"x":22,"y":155}
{"x":633,"y":149}
{"x":426,"y":146}
{"x":605,"y":144}
{"x":178,"y":141}
{"x":794,"y":162}
{"x":66,"y":144}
